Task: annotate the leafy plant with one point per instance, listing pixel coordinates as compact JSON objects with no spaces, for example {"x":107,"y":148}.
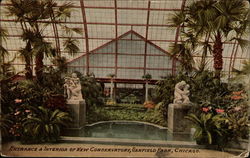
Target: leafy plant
{"x":44,"y":125}
{"x":5,"y":124}
{"x":208,"y":127}
{"x":147,"y":76}
{"x":237,"y":126}
{"x":211,"y":20}
{"x":29,"y":13}
{"x":57,"y":101}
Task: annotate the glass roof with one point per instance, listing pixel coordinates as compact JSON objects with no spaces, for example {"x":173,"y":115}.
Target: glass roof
{"x":102,"y":21}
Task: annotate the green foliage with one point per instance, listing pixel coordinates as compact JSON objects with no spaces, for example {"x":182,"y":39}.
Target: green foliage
{"x":205,"y":21}
{"x":205,"y":90}
{"x":29,"y":13}
{"x":147,"y":76}
{"x":237,"y":126}
{"x":131,"y":99}
{"x":71,"y":46}
{"x":123,"y":95}
{"x":5,"y":124}
{"x":208,"y":127}
{"x":91,"y":90}
{"x":61,"y":63}
{"x":44,"y":125}
{"x":7,"y":71}
{"x":133,"y":112}
{"x":183,"y":53}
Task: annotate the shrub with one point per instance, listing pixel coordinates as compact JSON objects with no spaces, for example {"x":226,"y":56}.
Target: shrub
{"x":5,"y":124}
{"x":208,"y":127}
{"x":44,"y":125}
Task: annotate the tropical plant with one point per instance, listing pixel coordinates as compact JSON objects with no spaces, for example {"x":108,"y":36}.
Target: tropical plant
{"x":5,"y":124}
{"x":28,"y":14}
{"x":237,"y":126}
{"x":7,"y":71}
{"x":44,"y":125}
{"x":147,"y":76}
{"x":213,"y":20}
{"x":25,"y":54}
{"x":205,"y":90}
{"x":60,"y":62}
{"x":184,"y":53}
{"x":208,"y":127}
{"x":40,"y":94}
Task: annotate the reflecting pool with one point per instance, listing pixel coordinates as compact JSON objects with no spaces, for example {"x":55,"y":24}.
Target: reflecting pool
{"x":129,"y":130}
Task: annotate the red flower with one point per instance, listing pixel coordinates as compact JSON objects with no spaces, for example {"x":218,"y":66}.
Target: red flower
{"x":17,"y":113}
{"x":236,"y":97}
{"x":237,"y":93}
{"x":237,"y":108}
{"x":27,"y":111}
{"x":18,"y":100}
{"x":219,"y":110}
{"x":205,"y":109}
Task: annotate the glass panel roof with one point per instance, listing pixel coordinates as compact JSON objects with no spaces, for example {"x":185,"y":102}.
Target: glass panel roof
{"x":108,"y":19}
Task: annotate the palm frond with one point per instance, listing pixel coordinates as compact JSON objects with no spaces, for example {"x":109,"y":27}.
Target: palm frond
{"x":209,"y":137}
{"x":71,"y":46}
{"x":244,"y":44}
{"x":3,"y":34}
{"x":41,"y":46}
{"x":64,"y":11}
{"x":193,"y":118}
{"x":178,"y":18}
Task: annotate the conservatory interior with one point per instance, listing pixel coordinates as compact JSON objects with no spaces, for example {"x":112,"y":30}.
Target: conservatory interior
{"x":156,"y":75}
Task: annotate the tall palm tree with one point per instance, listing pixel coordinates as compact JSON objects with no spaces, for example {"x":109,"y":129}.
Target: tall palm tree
{"x":217,"y":21}
{"x":27,"y":57}
{"x":29,"y":13}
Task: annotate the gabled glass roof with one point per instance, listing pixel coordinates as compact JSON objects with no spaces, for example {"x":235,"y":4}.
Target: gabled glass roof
{"x":102,"y":21}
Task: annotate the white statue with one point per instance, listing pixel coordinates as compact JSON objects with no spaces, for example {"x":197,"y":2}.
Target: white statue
{"x":181,"y":93}
{"x":72,"y":88}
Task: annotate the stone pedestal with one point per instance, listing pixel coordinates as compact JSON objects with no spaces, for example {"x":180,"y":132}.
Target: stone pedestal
{"x":78,"y":112}
{"x":176,"y":120}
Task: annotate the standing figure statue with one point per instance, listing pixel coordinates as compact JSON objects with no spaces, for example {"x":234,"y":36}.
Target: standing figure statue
{"x":72,"y":88}
{"x":181,"y":93}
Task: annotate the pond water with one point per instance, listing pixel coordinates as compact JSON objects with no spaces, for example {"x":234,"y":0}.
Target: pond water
{"x":129,"y":130}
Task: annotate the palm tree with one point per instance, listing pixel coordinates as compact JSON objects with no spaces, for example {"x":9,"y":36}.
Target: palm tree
{"x":27,"y":57}
{"x":29,"y":13}
{"x":217,"y":21}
